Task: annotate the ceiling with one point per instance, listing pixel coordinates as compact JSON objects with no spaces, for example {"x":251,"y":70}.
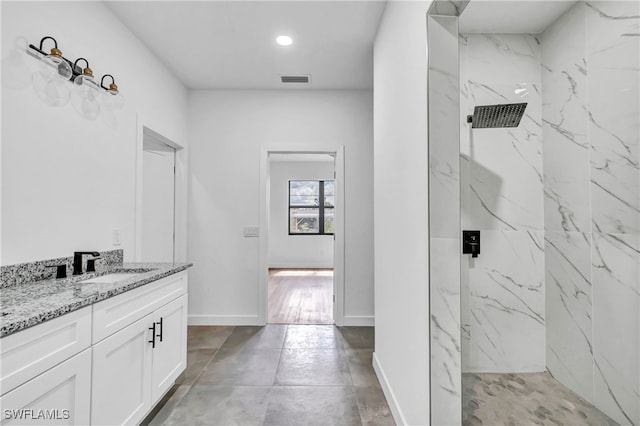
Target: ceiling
{"x":231,"y":44}
{"x":511,"y":16}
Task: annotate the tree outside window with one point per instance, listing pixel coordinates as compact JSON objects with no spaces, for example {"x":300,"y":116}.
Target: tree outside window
{"x":307,"y":214}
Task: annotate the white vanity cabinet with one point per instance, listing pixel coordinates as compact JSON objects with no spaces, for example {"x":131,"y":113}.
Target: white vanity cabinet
{"x":105,"y":364}
{"x":134,"y":366}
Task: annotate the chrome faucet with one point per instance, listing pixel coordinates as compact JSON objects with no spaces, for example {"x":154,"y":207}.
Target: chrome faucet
{"x":77,"y":260}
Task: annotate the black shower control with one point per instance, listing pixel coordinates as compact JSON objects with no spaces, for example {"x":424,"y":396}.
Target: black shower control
{"x":471,"y":243}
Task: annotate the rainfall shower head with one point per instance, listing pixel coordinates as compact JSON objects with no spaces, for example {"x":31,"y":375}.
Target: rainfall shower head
{"x":494,"y":116}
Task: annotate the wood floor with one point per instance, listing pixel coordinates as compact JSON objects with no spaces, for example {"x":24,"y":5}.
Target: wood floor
{"x":301,"y":296}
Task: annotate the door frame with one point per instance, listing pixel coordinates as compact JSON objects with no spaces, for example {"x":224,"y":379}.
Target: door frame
{"x":144,"y":131}
{"x":339,"y":230}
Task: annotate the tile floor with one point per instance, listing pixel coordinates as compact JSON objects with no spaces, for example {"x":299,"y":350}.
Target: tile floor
{"x":524,"y":399}
{"x":276,"y":375}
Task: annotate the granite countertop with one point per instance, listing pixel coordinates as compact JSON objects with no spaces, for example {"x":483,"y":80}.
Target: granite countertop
{"x":32,"y":303}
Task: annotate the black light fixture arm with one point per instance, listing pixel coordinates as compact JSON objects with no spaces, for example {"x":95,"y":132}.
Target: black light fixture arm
{"x":75,"y":64}
{"x":42,"y":52}
{"x":55,"y":42}
{"x":113,"y":81}
{"x":76,"y":71}
{"x":39,"y":50}
{"x":86,"y":71}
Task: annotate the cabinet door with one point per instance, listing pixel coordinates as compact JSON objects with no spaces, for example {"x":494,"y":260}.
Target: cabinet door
{"x":59,"y":396}
{"x":170,"y":354}
{"x":121,"y":374}
{"x":33,"y":351}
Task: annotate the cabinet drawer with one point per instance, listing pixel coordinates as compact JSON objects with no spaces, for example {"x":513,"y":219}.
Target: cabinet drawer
{"x":30,"y":352}
{"x":119,"y":311}
{"x":59,"y":396}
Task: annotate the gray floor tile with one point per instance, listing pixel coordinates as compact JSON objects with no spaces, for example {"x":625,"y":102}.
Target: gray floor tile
{"x":357,"y":337}
{"x":233,"y":383}
{"x":207,"y":337}
{"x":221,"y":405}
{"x":312,"y":405}
{"x":313,"y":336}
{"x":361,"y":367}
{"x":241,"y":366}
{"x":167,"y":405}
{"x":270,"y":336}
{"x":524,"y":398}
{"x":313,"y":367}
{"x":373,"y":407}
{"x":197,"y":360}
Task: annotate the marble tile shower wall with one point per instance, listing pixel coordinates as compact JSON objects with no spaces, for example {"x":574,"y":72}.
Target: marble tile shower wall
{"x":444,"y":187}
{"x":502,"y":291}
{"x":591,"y":123}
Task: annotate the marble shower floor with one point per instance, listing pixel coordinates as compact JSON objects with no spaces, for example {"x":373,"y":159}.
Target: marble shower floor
{"x":524,"y":399}
{"x":276,"y":375}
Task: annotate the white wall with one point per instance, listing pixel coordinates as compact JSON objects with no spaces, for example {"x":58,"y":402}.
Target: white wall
{"x":226,"y":130}
{"x":68,"y":182}
{"x":401,"y":211}
{"x":295,"y":251}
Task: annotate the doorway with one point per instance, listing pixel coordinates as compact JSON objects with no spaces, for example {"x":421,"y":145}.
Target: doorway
{"x":301,"y":232}
{"x":156,"y":218}
{"x":322,"y":265}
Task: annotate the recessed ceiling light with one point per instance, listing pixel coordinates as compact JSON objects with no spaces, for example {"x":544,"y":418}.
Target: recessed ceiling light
{"x":284,"y":40}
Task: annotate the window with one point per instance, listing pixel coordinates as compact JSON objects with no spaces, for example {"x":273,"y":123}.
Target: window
{"x":307,"y":215}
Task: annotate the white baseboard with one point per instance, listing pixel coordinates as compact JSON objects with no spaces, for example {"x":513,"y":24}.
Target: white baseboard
{"x":398,"y":417}
{"x":359,"y":320}
{"x":303,"y":265}
{"x":223,"y":320}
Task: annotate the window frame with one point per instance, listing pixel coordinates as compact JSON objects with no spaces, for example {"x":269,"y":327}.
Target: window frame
{"x":321,"y":207}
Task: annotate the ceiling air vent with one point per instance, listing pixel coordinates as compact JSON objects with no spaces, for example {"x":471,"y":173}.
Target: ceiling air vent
{"x":295,"y":79}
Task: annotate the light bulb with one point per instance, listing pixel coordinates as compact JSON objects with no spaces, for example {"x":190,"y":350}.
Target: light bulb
{"x":111,"y":100}
{"x":85,"y":95}
{"x":52,"y":90}
{"x":90,"y":106}
{"x":49,"y":81}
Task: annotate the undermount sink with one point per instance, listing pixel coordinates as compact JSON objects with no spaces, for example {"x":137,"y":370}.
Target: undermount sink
{"x":112,"y":278}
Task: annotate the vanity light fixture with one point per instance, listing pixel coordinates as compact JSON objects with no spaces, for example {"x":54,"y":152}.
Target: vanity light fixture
{"x":284,"y":40}
{"x":112,"y":98}
{"x":48,"y":79}
{"x":86,"y":94}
